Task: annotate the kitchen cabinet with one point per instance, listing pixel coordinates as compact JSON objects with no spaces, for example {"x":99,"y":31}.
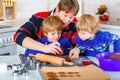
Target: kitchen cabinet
{"x":7,"y":46}
{"x":7,"y":10}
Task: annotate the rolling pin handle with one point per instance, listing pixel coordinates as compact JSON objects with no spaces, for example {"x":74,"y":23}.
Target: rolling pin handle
{"x":31,"y":55}
{"x":68,"y":63}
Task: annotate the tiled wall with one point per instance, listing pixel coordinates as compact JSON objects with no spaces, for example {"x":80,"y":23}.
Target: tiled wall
{"x":90,"y":6}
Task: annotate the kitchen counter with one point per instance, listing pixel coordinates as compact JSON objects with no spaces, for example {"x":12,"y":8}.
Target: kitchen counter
{"x":35,"y":74}
{"x":115,"y":75}
{"x":20,"y":22}
{"x":8,"y":74}
{"x":11,"y":25}
{"x":15,"y":23}
{"x":107,"y":26}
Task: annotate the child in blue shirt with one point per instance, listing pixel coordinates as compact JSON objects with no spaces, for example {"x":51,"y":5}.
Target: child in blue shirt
{"x":91,"y":40}
{"x":52,"y":30}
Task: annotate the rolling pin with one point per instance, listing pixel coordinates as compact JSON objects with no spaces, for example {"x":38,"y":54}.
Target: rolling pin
{"x":51,"y":59}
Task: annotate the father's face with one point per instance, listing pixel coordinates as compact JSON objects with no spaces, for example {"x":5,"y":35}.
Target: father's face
{"x":66,"y":17}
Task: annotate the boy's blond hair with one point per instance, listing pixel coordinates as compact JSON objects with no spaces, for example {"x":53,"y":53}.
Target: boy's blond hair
{"x":52,"y":23}
{"x":87,"y":23}
{"x":69,"y":6}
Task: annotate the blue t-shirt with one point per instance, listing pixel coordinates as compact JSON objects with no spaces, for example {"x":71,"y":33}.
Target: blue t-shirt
{"x":100,"y":43}
{"x":64,"y":44}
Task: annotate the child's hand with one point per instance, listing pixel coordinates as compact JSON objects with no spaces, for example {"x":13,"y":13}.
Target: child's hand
{"x":60,"y":52}
{"x":55,"y":48}
{"x":74,"y":53}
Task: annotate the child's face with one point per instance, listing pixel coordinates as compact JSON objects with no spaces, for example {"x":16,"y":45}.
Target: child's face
{"x":84,"y":35}
{"x":67,"y":18}
{"x":53,"y":36}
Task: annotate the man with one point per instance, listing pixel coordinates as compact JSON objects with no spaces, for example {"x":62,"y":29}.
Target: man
{"x":28,"y":33}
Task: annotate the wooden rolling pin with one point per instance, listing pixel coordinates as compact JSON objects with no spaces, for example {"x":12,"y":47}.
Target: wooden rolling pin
{"x":51,"y":59}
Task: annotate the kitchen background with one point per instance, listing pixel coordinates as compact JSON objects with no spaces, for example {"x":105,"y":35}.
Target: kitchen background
{"x":25,"y":8}
{"x":28,"y":7}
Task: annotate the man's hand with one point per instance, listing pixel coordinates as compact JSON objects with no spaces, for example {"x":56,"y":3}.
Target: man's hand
{"x":74,"y":53}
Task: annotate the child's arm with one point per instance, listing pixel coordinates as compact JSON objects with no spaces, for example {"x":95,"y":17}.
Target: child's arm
{"x":67,"y":47}
{"x":115,"y":40}
{"x":74,"y":53}
{"x":116,"y":45}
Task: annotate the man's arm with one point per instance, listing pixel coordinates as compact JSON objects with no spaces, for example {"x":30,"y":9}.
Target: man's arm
{"x":28,"y":32}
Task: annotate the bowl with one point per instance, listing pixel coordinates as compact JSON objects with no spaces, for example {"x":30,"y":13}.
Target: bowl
{"x":108,"y":64}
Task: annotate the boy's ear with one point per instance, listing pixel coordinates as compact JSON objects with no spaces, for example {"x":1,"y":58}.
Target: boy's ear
{"x":57,"y":9}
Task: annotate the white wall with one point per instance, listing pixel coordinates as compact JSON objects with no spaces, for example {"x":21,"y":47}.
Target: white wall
{"x":25,"y":8}
{"x":113,"y":8}
{"x":53,"y":3}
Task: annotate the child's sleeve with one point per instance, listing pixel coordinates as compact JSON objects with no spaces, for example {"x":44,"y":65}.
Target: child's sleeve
{"x":116,"y":45}
{"x":115,"y":39}
{"x":65,"y":45}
